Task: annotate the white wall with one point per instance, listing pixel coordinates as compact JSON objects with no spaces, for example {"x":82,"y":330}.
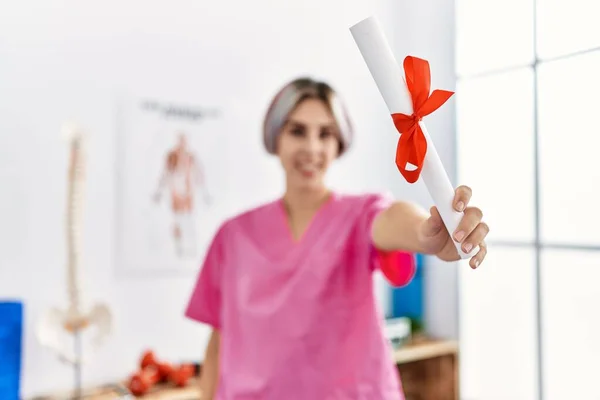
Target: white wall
{"x":67,"y":59}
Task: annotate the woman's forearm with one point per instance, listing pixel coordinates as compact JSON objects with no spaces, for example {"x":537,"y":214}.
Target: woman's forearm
{"x":408,"y":227}
{"x":209,"y":376}
{"x":398,"y":228}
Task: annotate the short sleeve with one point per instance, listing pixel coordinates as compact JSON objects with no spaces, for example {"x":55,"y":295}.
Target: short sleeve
{"x":373,"y":205}
{"x":205,"y":301}
{"x":398,"y":267}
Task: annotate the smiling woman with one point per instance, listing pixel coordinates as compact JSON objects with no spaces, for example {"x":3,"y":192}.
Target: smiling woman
{"x":307,"y":128}
{"x":333,"y":114}
{"x":290,"y":283}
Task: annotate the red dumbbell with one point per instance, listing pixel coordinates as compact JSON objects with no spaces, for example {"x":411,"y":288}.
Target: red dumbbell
{"x":165,"y":370}
{"x":182,"y":374}
{"x":149,"y":360}
{"x":143,"y":380}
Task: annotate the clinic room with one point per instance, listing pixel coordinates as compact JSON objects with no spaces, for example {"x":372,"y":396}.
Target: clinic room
{"x":299,"y":200}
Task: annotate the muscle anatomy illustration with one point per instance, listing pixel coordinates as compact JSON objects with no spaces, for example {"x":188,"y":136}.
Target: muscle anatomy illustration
{"x":181,"y":178}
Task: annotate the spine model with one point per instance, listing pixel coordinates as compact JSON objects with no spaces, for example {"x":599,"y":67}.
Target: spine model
{"x":74,"y":232}
{"x":77,"y":317}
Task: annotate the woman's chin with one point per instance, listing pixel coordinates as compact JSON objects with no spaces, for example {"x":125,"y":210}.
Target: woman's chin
{"x":312,"y":182}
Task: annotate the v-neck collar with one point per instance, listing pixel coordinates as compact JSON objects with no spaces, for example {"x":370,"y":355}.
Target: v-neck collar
{"x":314,"y":222}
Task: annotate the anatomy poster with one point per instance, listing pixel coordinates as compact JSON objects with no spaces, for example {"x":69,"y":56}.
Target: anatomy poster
{"x":170,"y":165}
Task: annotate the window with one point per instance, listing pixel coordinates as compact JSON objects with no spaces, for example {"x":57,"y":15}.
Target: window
{"x":527,"y":138}
{"x":497,"y":327}
{"x":483,"y":40}
{"x":494,"y":145}
{"x":569,"y":137}
{"x":570,"y":322}
{"x":566,"y":27}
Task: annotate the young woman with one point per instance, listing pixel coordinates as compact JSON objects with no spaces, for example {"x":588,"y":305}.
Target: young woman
{"x":287,"y":286}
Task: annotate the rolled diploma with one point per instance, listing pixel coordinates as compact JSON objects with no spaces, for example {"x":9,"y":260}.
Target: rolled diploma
{"x":389,"y":78}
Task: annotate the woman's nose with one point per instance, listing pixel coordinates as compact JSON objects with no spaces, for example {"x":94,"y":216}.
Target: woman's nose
{"x":313,"y":144}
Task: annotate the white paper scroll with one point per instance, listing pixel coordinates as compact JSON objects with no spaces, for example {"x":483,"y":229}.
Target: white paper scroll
{"x":389,"y":78}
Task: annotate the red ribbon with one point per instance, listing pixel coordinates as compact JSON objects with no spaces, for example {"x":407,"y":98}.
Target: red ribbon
{"x":412,"y":145}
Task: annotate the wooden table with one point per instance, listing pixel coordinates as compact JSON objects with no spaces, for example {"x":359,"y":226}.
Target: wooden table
{"x":167,"y":392}
{"x":428,"y":368}
{"x":117,"y":392}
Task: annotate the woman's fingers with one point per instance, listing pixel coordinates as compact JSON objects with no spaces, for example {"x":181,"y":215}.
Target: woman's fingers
{"x":479,"y":257}
{"x":476,"y":237}
{"x":462,"y":196}
{"x":469,"y":222}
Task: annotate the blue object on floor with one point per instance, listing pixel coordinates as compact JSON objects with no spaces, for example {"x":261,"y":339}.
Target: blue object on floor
{"x":11,"y":333}
{"x":407,"y":301}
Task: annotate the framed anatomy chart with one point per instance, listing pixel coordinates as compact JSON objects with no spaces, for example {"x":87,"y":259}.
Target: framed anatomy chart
{"x":171,"y":173}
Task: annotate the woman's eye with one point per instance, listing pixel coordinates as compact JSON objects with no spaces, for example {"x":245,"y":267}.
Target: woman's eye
{"x":297,"y":131}
{"x":326,"y":134}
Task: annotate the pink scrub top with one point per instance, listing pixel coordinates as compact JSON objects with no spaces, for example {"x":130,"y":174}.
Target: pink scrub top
{"x":299,"y":319}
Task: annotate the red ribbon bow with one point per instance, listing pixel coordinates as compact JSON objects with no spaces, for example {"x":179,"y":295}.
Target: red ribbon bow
{"x":412,"y":145}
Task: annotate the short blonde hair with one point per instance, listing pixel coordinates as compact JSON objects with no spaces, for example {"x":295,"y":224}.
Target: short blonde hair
{"x":290,"y":96}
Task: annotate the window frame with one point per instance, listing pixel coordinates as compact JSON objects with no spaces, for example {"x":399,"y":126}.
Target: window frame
{"x":539,"y":246}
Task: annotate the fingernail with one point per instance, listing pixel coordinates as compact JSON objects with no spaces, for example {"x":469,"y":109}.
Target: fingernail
{"x":459,"y":236}
{"x":476,"y":263}
{"x":468,"y":247}
{"x":460,"y":206}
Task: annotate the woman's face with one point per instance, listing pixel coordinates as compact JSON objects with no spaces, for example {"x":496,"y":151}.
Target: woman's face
{"x":308,"y":144}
